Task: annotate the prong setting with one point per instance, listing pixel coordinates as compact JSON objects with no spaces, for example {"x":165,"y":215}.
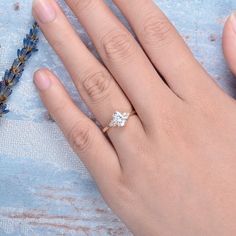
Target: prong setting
{"x":119,"y":119}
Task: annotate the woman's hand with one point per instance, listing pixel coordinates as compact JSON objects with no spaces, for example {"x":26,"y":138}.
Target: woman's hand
{"x":172,"y":169}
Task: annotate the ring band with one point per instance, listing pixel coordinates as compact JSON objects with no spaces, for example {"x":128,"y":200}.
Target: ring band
{"x":119,"y":119}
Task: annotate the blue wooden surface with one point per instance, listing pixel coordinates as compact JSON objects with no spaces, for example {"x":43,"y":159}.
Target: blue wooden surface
{"x":44,"y":188}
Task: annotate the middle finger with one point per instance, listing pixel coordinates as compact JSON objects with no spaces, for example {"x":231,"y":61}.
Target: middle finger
{"x":124,"y":58}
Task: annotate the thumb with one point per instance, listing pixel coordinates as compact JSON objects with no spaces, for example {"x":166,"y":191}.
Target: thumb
{"x":229,"y":42}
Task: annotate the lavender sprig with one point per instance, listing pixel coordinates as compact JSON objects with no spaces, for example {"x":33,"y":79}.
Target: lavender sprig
{"x":13,"y":75}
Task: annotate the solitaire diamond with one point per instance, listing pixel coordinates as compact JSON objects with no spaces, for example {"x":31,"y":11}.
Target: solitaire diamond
{"x":119,"y":119}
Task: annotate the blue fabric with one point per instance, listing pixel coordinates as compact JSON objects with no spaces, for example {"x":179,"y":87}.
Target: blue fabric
{"x":44,"y":188}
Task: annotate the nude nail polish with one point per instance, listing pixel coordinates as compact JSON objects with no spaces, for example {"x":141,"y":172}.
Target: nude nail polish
{"x":44,"y":10}
{"x":42,"y":81}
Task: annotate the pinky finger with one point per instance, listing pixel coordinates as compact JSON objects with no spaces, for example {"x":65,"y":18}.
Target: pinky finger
{"x":83,"y":135}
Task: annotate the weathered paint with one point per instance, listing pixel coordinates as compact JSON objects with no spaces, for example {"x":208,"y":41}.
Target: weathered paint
{"x":44,"y":188}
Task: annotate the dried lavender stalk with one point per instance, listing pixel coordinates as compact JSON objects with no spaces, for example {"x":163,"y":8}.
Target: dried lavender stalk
{"x":13,"y":75}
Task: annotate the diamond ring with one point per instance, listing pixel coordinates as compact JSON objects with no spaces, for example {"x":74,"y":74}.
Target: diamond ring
{"x":119,"y":119}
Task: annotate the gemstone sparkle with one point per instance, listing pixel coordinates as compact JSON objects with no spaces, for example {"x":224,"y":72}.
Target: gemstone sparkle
{"x":119,"y":119}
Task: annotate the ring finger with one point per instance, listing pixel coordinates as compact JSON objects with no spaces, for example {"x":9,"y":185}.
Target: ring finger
{"x":125,"y":59}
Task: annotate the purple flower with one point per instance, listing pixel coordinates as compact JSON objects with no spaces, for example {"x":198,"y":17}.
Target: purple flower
{"x":13,"y":75}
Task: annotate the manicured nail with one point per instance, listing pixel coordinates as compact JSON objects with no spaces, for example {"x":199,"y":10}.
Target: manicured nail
{"x":42,"y":81}
{"x":233,"y":18}
{"x":44,"y":10}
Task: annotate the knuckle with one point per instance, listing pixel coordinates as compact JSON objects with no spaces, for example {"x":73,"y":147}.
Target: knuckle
{"x":117,"y":45}
{"x":59,"y":108}
{"x":96,"y":85}
{"x":156,"y":31}
{"x":80,"y":137}
{"x":81,"y":5}
{"x":57,"y":44}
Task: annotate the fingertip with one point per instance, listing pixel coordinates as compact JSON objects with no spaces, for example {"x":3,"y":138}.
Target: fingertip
{"x":230,"y":26}
{"x":229,"y":41}
{"x":42,"y":79}
{"x":43,"y":69}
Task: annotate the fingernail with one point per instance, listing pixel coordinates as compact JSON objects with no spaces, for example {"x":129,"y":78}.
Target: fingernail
{"x":42,"y":81}
{"x":44,"y":10}
{"x":233,"y":18}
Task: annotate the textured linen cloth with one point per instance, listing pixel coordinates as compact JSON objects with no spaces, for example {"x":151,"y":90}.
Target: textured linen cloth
{"x":44,"y":188}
